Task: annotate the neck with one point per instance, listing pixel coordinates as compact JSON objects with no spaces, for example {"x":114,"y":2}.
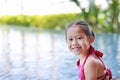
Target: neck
{"x":82,"y":56}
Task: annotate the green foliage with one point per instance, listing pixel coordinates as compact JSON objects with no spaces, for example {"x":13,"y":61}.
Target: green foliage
{"x":52,"y":21}
{"x":110,"y":22}
{"x":107,"y":20}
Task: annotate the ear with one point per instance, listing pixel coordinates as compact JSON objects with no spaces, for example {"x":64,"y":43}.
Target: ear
{"x":91,"y":39}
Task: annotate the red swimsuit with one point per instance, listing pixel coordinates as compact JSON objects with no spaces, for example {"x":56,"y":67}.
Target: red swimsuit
{"x":96,"y":54}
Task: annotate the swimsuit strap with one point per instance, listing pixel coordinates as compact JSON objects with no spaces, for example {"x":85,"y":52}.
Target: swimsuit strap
{"x":102,"y":63}
{"x":85,"y":59}
{"x":97,"y":54}
{"x":108,"y":73}
{"x":78,"y":62}
{"x":102,"y":77}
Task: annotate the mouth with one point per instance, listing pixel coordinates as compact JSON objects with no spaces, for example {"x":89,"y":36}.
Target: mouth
{"x":76,"y":49}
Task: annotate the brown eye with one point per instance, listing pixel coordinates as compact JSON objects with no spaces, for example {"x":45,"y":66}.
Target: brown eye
{"x":70,"y":39}
{"x":79,"y":38}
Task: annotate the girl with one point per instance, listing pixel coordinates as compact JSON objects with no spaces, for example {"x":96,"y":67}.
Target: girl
{"x":79,"y":38}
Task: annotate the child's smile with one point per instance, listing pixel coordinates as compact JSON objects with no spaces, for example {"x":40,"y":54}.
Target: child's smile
{"x":77,"y":40}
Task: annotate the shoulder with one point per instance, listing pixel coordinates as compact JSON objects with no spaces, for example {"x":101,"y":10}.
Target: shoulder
{"x":91,"y":66}
{"x":91,"y":62}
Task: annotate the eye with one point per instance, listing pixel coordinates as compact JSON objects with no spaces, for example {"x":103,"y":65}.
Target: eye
{"x":70,"y":39}
{"x":79,"y":38}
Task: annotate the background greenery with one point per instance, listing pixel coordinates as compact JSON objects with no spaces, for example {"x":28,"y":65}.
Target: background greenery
{"x":101,"y":20}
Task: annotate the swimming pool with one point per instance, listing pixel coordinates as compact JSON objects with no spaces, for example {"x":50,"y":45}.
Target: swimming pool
{"x":31,"y":55}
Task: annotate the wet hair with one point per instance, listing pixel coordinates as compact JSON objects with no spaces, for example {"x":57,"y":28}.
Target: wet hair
{"x":81,"y":24}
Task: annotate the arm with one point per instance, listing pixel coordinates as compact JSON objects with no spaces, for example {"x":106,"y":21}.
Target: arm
{"x":90,"y":70}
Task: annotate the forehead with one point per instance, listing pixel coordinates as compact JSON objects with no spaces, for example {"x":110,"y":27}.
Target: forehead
{"x":75,"y":31}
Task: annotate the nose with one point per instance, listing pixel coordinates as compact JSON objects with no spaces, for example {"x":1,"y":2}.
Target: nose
{"x":75,"y":42}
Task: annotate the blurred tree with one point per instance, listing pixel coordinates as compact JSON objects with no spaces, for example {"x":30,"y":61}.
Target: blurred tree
{"x":84,"y":12}
{"x":114,"y":14}
{"x":91,"y":11}
{"x":94,"y":11}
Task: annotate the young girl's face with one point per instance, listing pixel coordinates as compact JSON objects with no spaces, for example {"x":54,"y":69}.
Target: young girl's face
{"x":78,"y":42}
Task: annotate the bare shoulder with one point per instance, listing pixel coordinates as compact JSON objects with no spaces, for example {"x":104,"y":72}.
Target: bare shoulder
{"x":91,"y":66}
{"x":94,"y":65}
{"x":91,"y":61}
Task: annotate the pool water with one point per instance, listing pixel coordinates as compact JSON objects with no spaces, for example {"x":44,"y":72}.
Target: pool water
{"x":32,"y":55}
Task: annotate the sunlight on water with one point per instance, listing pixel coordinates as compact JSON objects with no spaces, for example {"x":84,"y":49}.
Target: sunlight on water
{"x":28,"y":55}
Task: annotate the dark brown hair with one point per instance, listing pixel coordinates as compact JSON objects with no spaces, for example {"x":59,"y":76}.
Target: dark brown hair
{"x":82,"y":24}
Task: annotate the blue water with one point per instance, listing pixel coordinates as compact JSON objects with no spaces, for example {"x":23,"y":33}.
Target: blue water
{"x":26,"y":54}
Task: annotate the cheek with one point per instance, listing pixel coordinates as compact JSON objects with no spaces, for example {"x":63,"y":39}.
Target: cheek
{"x":69,"y":45}
{"x":84,"y":43}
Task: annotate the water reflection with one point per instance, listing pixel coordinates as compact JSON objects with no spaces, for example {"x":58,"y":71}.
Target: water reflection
{"x":110,"y":45}
{"x":30,"y":55}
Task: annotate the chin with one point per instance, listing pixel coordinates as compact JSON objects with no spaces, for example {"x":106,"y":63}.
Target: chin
{"x":76,"y":53}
